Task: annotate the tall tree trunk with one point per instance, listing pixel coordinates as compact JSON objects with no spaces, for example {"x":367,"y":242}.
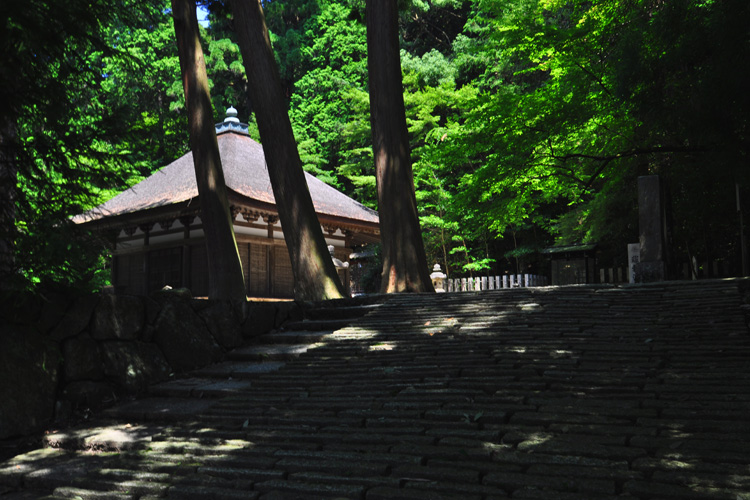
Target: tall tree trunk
{"x":225,"y":278}
{"x":314,"y":273}
{"x":8,"y":186}
{"x":404,"y":261}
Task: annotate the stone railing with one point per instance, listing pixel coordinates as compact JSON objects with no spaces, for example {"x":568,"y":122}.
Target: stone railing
{"x":62,"y":355}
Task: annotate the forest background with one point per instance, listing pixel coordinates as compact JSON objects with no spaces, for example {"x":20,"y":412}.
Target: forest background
{"x":529,"y":120}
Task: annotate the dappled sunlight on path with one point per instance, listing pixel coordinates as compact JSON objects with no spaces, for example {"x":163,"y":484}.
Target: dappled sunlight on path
{"x":573,"y":392}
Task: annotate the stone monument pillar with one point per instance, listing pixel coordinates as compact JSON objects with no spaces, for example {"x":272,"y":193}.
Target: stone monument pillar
{"x":634,"y":257}
{"x":652,"y":226}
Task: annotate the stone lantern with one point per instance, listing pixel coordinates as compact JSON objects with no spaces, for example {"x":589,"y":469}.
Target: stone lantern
{"x":342,"y":269}
{"x":438,"y":278}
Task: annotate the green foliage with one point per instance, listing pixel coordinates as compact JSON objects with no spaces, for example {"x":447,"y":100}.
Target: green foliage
{"x":321,"y":109}
{"x":529,"y":120}
{"x":578,"y":99}
{"x":143,"y":78}
{"x":66,"y":135}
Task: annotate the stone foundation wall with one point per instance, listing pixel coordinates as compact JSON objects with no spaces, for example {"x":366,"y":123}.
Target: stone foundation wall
{"x":62,"y":355}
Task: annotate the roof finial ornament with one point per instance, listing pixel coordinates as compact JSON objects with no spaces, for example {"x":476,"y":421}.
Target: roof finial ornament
{"x":231,"y":115}
{"x":231,"y":123}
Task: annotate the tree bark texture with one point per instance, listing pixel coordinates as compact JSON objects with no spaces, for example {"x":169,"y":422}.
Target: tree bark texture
{"x":314,"y":273}
{"x":226,"y":281}
{"x":8,"y":186}
{"x":404,"y":260}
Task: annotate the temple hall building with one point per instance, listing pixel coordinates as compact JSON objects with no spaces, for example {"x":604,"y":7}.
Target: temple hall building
{"x":158,"y":234}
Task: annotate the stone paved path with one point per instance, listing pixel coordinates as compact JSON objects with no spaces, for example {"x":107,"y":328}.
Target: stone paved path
{"x":548,"y":393}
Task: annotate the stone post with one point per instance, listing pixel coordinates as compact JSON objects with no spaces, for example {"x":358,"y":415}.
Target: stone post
{"x":634,"y":257}
{"x":653,"y":230}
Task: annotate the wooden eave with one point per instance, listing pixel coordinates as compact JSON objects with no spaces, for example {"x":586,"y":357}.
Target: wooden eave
{"x":363,"y":231}
{"x":148,"y":216}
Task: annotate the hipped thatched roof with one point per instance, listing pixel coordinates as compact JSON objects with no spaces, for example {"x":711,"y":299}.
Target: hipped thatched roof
{"x":246,"y":176}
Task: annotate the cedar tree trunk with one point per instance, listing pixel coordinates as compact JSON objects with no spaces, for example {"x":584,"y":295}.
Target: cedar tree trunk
{"x":225,"y":278}
{"x":404,"y":261}
{"x":314,"y":273}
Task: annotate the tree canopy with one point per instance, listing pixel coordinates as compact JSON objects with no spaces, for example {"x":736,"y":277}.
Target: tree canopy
{"x":529,"y":120}
{"x":67,"y":138}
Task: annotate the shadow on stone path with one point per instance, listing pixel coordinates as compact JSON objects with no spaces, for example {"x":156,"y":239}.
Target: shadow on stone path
{"x":547,"y":393}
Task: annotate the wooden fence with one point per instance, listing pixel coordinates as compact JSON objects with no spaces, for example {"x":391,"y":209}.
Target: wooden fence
{"x":606,"y":275}
{"x":614,"y":275}
{"x":685,"y":271}
{"x":494,"y":282}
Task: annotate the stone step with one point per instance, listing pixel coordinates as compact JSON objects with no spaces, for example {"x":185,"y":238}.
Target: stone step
{"x":317,"y":324}
{"x":271,"y":352}
{"x":299,"y":489}
{"x":97,"y":487}
{"x":67,"y":492}
{"x":200,"y":387}
{"x":200,"y":492}
{"x":105,"y":437}
{"x":294,"y":337}
{"x":160,"y":409}
{"x":238,"y":369}
{"x":352,"y":312}
{"x":469,"y":396}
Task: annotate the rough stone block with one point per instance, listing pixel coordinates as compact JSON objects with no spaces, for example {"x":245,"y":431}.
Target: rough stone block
{"x":261,"y":319}
{"x":222,"y":322}
{"x":118,"y":317}
{"x":287,"y":311}
{"x":19,"y":308}
{"x":153,"y":308}
{"x":54,"y":307}
{"x":82,"y":359}
{"x":168,"y":293}
{"x":77,"y":318}
{"x":183,"y":337}
{"x":88,"y":394}
{"x":28,"y":380}
{"x":133,"y":365}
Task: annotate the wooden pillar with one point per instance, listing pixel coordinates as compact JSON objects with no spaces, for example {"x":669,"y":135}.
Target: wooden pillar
{"x":186,"y":282}
{"x":271,"y":256}
{"x":114,"y":275}
{"x":269,"y":249}
{"x":146,"y":228}
{"x":247,"y":269}
{"x":186,"y":221}
{"x":271,"y":220}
